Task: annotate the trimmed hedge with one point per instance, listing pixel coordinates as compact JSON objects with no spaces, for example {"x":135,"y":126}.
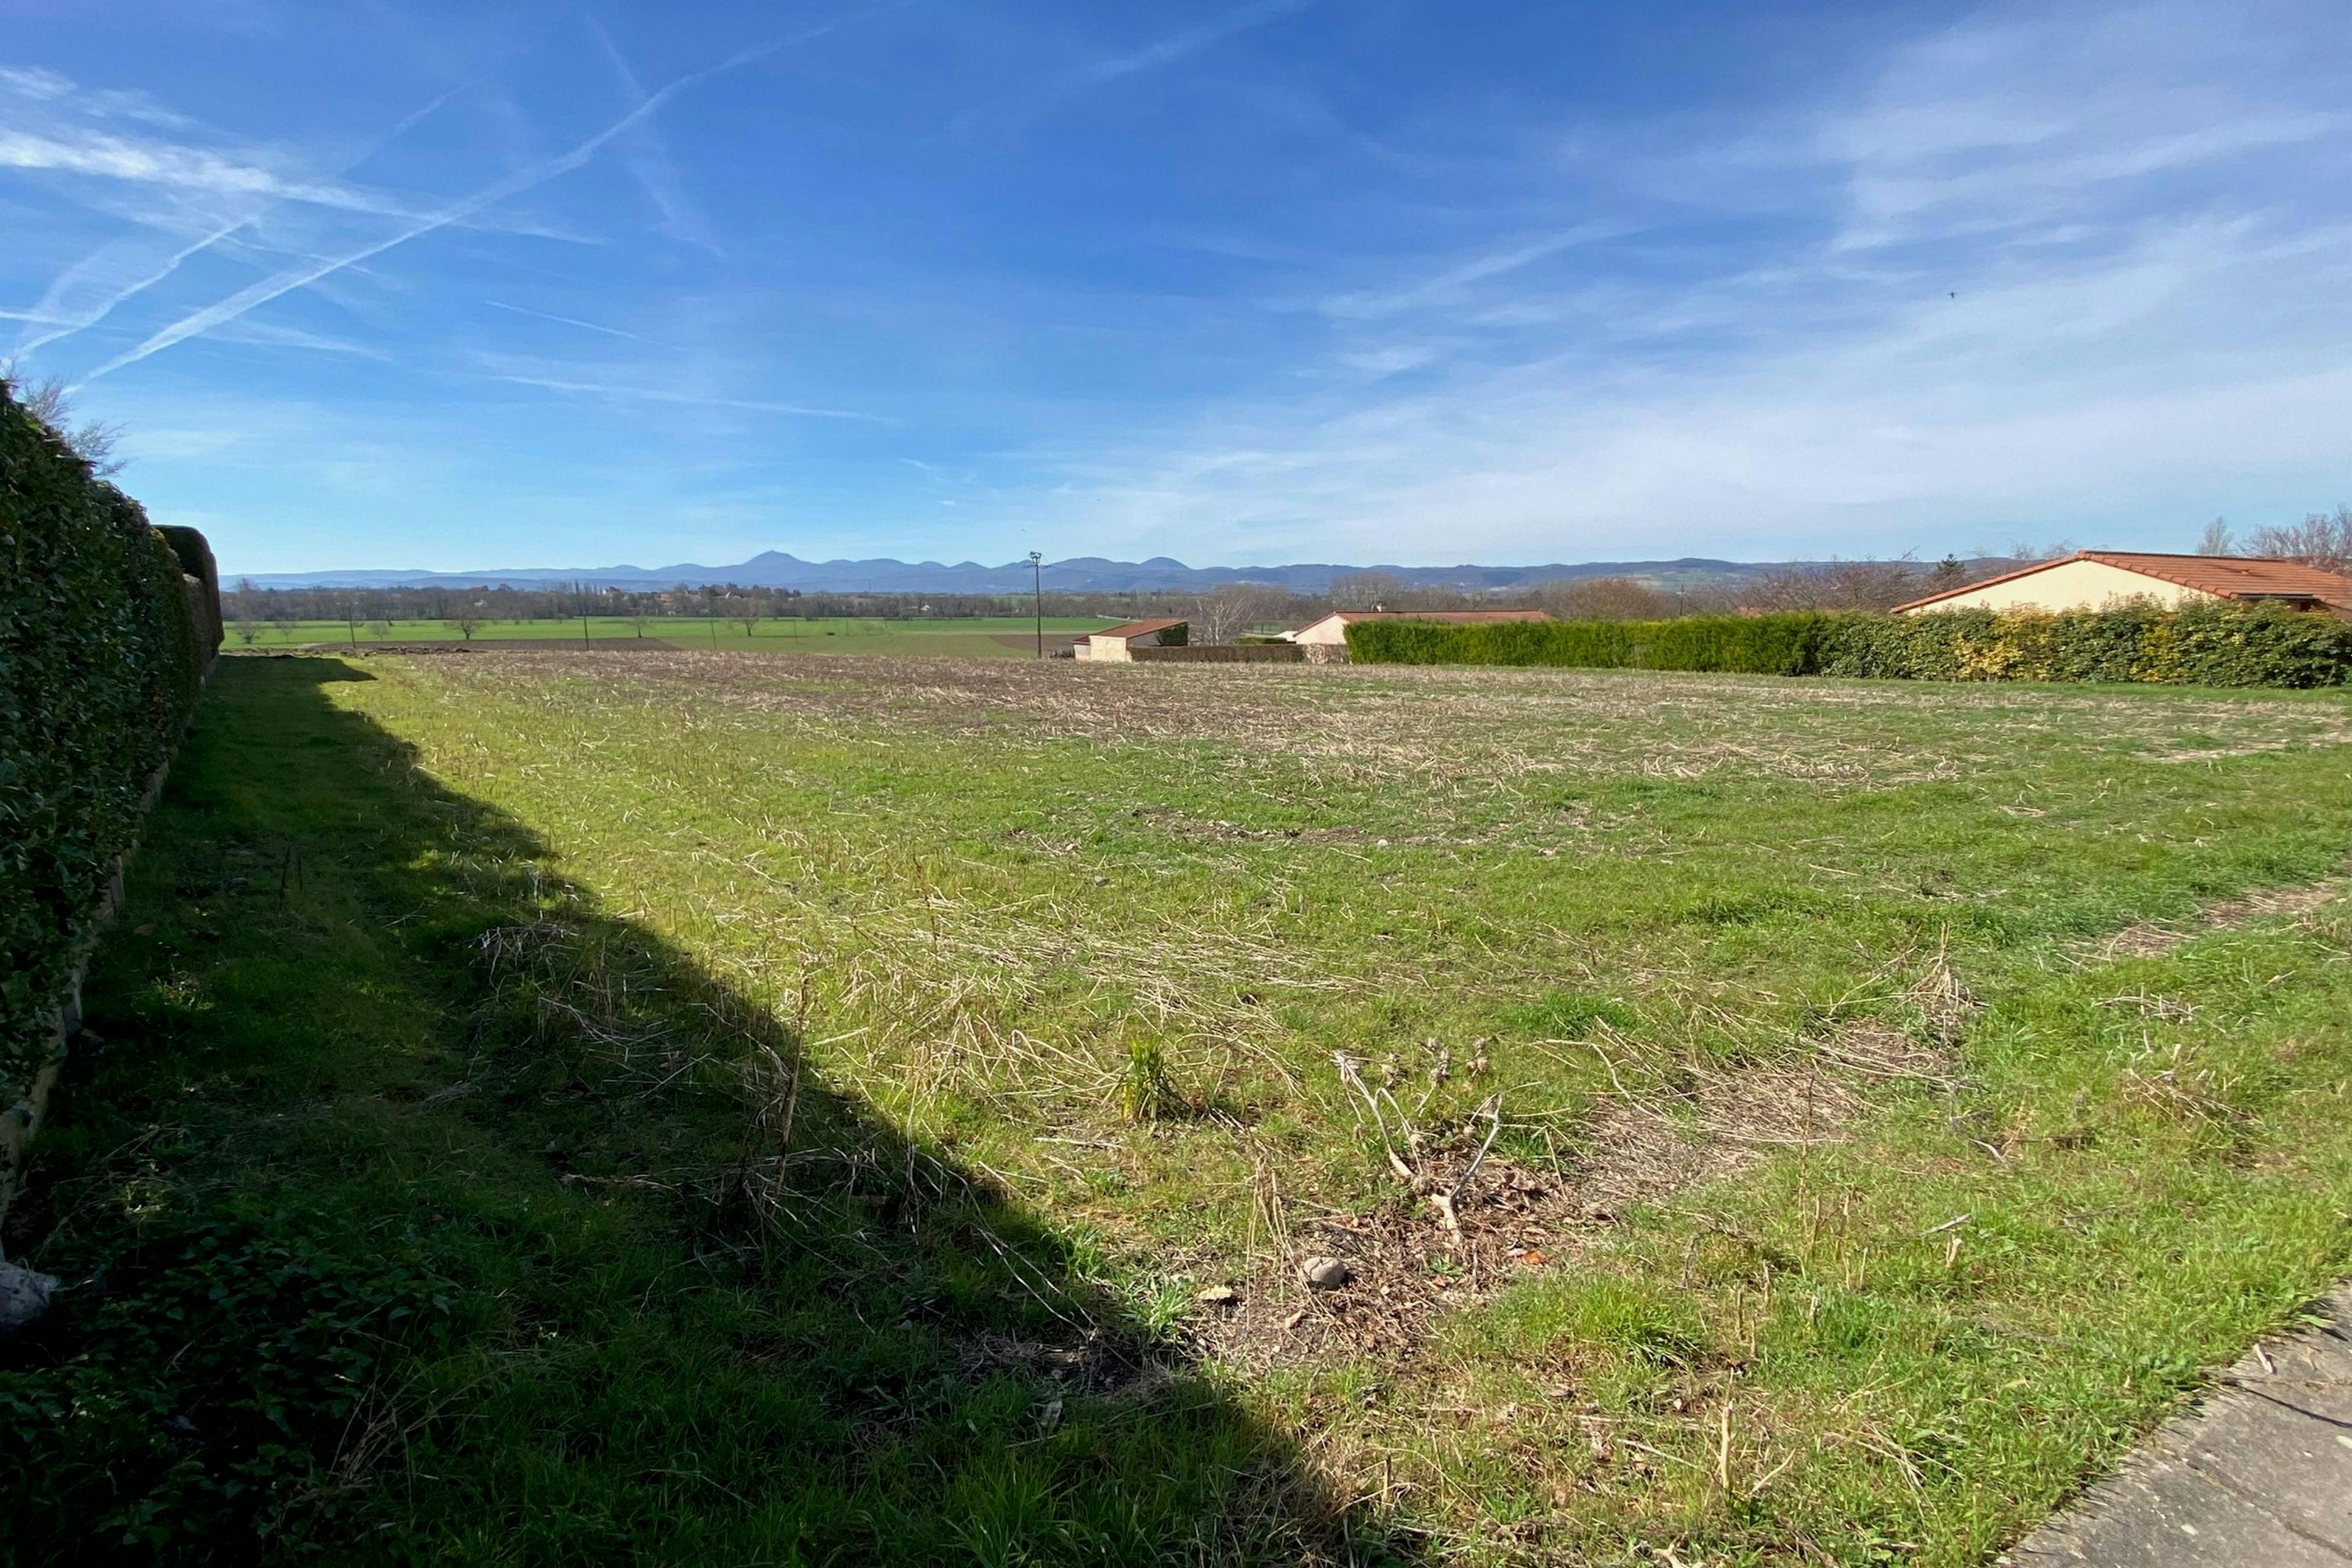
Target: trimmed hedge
{"x":1754,"y":644}
{"x":101,"y":663}
{"x":2212,"y":643}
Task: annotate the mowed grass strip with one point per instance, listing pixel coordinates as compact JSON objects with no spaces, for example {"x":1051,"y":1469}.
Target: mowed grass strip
{"x":1875,"y":1202}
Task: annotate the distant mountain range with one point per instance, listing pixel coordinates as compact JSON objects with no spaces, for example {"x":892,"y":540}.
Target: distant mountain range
{"x":1081,"y":574}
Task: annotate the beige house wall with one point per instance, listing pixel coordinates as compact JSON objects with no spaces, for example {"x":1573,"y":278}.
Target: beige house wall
{"x":1117,"y":649}
{"x":2068,"y":585}
{"x":1327,"y":632}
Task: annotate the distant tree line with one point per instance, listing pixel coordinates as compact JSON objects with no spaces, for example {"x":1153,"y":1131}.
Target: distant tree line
{"x":1238,"y":609}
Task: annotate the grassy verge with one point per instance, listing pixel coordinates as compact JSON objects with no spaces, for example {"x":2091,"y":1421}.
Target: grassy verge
{"x":718,"y":1110}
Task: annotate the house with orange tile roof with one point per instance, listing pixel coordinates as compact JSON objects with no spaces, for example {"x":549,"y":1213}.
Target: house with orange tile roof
{"x":2097,"y":579}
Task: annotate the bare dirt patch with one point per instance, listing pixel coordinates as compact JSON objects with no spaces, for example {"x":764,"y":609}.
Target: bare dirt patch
{"x":1406,"y":1267}
{"x":2154,"y":939}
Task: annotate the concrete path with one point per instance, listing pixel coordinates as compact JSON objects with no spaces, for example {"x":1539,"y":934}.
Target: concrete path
{"x":2259,"y":1475}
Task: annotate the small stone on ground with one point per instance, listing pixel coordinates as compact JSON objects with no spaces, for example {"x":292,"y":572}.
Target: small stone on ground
{"x":24,"y":1296}
{"x":1323,"y":1273}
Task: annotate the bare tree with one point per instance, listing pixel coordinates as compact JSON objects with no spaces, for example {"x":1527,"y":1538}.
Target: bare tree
{"x":748,"y":616}
{"x":50,"y":401}
{"x":637,"y":623}
{"x":467,"y":620}
{"x":2322,"y":539}
{"x":248,"y":630}
{"x":1871,"y":585}
{"x":2217,"y":539}
{"x":1605,"y":599}
{"x":1226,"y":614}
{"x":1835,"y":585}
{"x":1367,"y":590}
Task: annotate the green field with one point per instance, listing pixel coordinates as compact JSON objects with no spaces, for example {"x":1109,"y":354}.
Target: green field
{"x":963,"y":636}
{"x":705,"y":1109}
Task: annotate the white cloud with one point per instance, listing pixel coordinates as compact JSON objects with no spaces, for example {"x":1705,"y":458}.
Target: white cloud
{"x":183,"y":168}
{"x":2048,"y":268}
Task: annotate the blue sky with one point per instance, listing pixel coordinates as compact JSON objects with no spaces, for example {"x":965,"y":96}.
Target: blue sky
{"x":391,"y":284}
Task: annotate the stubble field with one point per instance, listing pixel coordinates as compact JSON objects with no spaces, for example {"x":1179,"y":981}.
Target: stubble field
{"x":757,"y":1109}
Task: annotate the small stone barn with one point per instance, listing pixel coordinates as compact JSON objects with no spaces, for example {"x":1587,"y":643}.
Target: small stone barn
{"x":2093,"y":579}
{"x":1119,"y":642}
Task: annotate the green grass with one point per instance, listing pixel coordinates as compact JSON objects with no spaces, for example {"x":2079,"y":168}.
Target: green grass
{"x":689,"y":1109}
{"x":1004,"y":637}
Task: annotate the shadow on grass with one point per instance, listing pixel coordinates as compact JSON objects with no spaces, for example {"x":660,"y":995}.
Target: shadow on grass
{"x":414,"y":1206}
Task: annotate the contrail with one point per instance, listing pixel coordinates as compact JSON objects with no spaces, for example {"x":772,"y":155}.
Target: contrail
{"x":649,"y":161}
{"x":286,"y":282}
{"x":69,"y":326}
{"x":1190,"y":41}
{"x":565,"y":321}
{"x":655,"y":395}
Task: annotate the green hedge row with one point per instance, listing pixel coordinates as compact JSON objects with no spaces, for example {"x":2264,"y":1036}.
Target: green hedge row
{"x":2211,"y":644}
{"x":2202,"y":644}
{"x":1756,"y":644}
{"x":101,"y":663}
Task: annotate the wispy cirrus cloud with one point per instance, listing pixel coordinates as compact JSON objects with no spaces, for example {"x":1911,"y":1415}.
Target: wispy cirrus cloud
{"x":35,"y":84}
{"x":2042,"y":269}
{"x":646,"y":157}
{"x":276,"y":335}
{"x":1182,"y":44}
{"x":577,"y":156}
{"x":1449,"y":285}
{"x":87,"y":291}
{"x":212,"y":192}
{"x":185,"y":168}
{"x":1169,"y":49}
{"x":637,"y":391}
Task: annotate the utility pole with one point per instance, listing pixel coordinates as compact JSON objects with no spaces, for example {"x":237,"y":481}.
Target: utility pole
{"x":1037,"y":582}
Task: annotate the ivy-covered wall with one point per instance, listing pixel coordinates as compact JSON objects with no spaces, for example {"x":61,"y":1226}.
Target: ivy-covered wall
{"x":2212,"y":643}
{"x":101,"y":659}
